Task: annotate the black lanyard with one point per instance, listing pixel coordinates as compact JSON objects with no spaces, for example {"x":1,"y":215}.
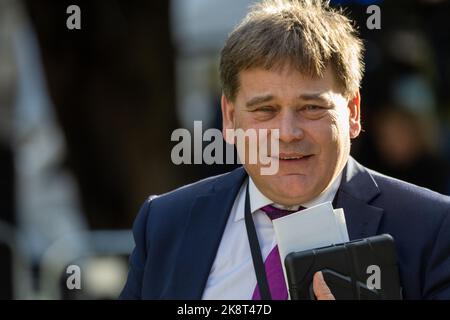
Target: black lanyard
{"x":258,"y":262}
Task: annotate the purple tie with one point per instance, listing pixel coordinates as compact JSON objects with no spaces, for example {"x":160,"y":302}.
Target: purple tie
{"x":274,"y":269}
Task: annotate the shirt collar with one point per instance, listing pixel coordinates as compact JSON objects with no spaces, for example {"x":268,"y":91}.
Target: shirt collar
{"x":259,"y":200}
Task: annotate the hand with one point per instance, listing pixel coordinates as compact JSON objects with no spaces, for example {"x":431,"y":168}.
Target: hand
{"x":320,"y":288}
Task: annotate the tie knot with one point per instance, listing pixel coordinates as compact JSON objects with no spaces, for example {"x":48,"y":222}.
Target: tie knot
{"x":275,"y":213}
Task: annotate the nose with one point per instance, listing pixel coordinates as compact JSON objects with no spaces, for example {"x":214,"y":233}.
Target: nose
{"x":290,"y":129}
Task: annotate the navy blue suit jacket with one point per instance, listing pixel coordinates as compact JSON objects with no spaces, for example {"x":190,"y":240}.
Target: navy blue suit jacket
{"x":177,"y":234}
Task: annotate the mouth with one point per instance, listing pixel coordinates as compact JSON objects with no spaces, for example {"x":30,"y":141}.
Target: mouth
{"x":294,"y":157}
{"x":294,"y":161}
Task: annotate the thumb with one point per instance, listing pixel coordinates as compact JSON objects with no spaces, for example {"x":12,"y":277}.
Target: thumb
{"x":320,"y":288}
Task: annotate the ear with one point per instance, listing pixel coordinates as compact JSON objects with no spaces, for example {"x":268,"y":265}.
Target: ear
{"x":354,"y":115}
{"x":227,"y":118}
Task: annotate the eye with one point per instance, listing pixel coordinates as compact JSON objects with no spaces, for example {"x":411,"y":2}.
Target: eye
{"x":312,"y":107}
{"x":265,"y":109}
{"x":314,"y":111}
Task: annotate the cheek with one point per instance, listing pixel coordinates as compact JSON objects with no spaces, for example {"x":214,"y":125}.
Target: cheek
{"x":326,"y":131}
{"x":245,"y":120}
{"x":340,"y":127}
{"x":332,"y":135}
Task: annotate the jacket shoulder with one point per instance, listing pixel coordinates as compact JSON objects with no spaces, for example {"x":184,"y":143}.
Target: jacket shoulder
{"x":411,"y":192}
{"x":192,"y":190}
{"x":179,"y":201}
{"x":410,"y":195}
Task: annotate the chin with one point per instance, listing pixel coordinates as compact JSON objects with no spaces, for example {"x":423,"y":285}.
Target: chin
{"x":294,"y":188}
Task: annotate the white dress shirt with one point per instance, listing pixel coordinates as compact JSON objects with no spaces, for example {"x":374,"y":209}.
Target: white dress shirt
{"x":232,"y":275}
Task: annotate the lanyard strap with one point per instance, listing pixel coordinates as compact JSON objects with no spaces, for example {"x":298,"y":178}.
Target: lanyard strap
{"x":258,"y":262}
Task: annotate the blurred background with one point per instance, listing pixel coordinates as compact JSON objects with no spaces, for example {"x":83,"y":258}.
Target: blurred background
{"x":86,"y":118}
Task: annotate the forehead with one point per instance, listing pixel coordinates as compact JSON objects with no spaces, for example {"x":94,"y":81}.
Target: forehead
{"x":284,"y":82}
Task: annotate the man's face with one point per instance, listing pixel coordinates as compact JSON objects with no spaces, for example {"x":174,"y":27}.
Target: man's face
{"x":315,"y":123}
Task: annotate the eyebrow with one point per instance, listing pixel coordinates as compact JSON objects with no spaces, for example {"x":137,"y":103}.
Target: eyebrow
{"x":319,"y":96}
{"x":259,"y":99}
{"x":306,"y":96}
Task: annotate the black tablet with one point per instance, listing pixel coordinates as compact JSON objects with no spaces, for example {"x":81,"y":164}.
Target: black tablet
{"x":361,"y":269}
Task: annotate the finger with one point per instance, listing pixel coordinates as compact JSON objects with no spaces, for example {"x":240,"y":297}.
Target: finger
{"x":320,"y":288}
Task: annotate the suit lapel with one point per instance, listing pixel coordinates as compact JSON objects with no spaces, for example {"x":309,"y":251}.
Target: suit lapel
{"x":356,"y":191}
{"x":202,"y":236}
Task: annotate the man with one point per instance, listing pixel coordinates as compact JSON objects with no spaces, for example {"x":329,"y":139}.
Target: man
{"x":296,"y":67}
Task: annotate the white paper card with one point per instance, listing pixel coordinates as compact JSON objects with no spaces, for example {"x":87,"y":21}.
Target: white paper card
{"x":310,"y":228}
